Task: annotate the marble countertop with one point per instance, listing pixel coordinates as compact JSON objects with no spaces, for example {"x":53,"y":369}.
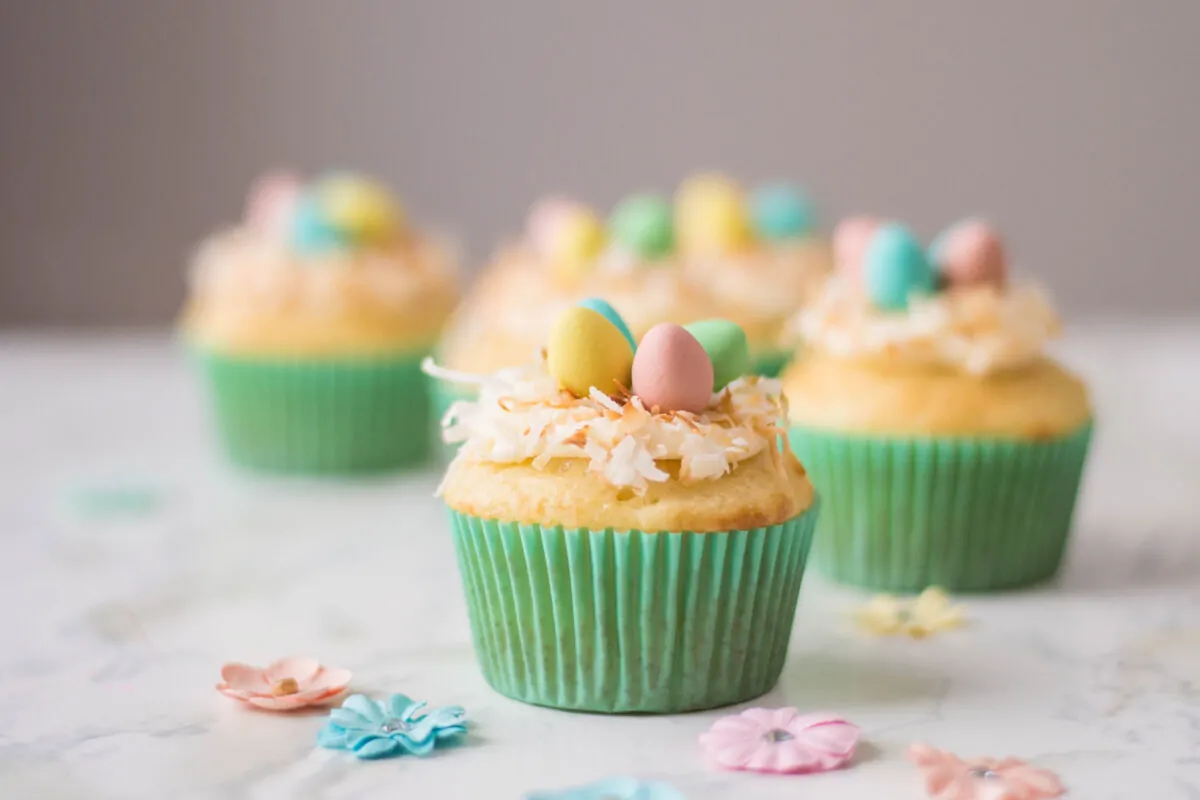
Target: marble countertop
{"x":117,"y":619}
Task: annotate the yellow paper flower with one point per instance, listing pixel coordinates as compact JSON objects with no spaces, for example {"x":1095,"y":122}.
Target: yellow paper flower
{"x":928,"y":613}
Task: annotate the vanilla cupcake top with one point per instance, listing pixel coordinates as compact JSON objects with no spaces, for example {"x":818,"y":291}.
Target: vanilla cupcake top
{"x":952,"y":305}
{"x":625,"y":407}
{"x":329,"y":266}
{"x":759,"y":251}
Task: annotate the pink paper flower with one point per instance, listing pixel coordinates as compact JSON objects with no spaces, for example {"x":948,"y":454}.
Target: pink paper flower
{"x":948,"y":777}
{"x":287,"y":684}
{"x":780,"y":740}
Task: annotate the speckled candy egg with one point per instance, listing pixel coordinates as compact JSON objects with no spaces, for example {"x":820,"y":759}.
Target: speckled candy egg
{"x":671,"y":371}
{"x":545,"y":220}
{"x":970,"y":253}
{"x":781,"y":212}
{"x":850,"y":240}
{"x":271,"y":201}
{"x":363,"y":210}
{"x":577,"y":241}
{"x":895,"y":268}
{"x":310,"y":233}
{"x":711,"y":218}
{"x":727,"y":348}
{"x":642,"y":225}
{"x":586,"y":350}
{"x":605,"y":309}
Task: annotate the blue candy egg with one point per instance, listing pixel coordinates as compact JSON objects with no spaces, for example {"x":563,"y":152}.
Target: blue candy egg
{"x":895,"y":268}
{"x":310,"y":232}
{"x":605,"y":310}
{"x":781,"y":211}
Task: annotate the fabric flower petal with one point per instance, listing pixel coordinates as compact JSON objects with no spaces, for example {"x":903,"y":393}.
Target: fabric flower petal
{"x":303,"y":670}
{"x":836,"y":738}
{"x":368,"y":708}
{"x":403,"y":707}
{"x":763,"y":718}
{"x":349,"y":718}
{"x":376,"y":747}
{"x":244,"y":678}
{"x":781,"y":719}
{"x":1042,"y":781}
{"x":327,"y":679}
{"x":332,"y":736}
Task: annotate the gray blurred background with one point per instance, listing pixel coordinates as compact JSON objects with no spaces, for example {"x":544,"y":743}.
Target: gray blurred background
{"x":129,"y":130}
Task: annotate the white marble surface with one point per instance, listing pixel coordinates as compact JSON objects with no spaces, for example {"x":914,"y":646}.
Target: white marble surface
{"x":114,"y":628}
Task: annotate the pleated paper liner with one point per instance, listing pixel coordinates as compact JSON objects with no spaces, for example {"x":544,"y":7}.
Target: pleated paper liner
{"x":332,"y":417}
{"x":902,"y":514}
{"x":628,"y":621}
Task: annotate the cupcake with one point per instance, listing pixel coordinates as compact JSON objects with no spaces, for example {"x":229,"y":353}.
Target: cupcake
{"x":630,"y":549}
{"x":759,"y":256}
{"x":309,"y":321}
{"x":565,"y":254}
{"x":949,"y":444}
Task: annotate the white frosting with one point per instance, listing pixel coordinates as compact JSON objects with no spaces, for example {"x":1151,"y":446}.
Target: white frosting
{"x":522,"y":415}
{"x":245,"y":267}
{"x":978,"y":329}
{"x":773,"y":279}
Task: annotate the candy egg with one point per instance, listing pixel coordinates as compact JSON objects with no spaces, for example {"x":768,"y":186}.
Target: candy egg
{"x":850,"y":240}
{"x":725,"y":343}
{"x":363,"y":210}
{"x":710,"y":216}
{"x":671,"y":371}
{"x":895,"y":268}
{"x":642,"y":225}
{"x":546,"y":219}
{"x":781,"y":211}
{"x":586,"y":350}
{"x":969,"y":253}
{"x":609,"y":313}
{"x":271,"y":201}
{"x":577,"y":241}
{"x":310,"y":232}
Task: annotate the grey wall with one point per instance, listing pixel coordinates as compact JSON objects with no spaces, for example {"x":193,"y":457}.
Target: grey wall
{"x":127,"y":130}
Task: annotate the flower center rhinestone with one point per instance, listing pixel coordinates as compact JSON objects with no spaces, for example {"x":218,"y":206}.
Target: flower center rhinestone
{"x":285,"y":686}
{"x":983,"y":773}
{"x":778,"y":735}
{"x":394,"y":726}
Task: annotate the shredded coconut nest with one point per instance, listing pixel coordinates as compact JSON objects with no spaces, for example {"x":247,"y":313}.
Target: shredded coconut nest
{"x":243,"y":267}
{"x":978,"y":329}
{"x":523,"y":416}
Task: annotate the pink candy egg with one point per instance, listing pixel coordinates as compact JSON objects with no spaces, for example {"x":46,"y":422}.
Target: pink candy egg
{"x":271,"y":201}
{"x":671,"y":370}
{"x":850,"y":240}
{"x":971,"y":253}
{"x":546,"y":218}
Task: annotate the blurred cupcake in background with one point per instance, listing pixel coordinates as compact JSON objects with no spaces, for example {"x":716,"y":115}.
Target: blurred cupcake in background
{"x":568,"y":253}
{"x":949,"y":445}
{"x":309,"y":321}
{"x":757,"y":253}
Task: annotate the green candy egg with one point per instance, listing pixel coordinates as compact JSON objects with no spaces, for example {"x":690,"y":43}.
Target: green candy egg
{"x":725,"y":343}
{"x":642,"y":224}
{"x":895,"y":268}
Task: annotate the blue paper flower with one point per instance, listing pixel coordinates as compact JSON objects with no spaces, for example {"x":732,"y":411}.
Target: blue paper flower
{"x":381,"y":729}
{"x":613,"y":789}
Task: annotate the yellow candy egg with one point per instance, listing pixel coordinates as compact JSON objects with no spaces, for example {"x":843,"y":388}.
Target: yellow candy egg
{"x":586,"y":350}
{"x":711,"y":217}
{"x":575,"y":243}
{"x":362,"y":209}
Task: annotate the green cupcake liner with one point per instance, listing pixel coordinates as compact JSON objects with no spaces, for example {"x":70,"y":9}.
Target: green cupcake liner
{"x":771,"y":362}
{"x":965,"y":514}
{"x":628,"y":621}
{"x":342,"y":416}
